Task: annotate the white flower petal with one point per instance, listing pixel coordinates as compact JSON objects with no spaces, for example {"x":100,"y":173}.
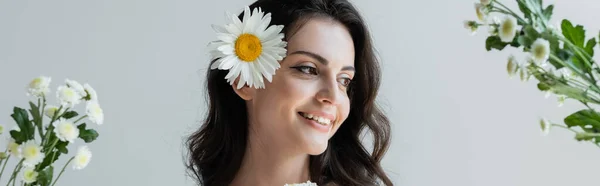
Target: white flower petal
{"x":228,"y":38}
{"x":219,"y":28}
{"x":264,"y":23}
{"x":271,"y":32}
{"x":227,"y":49}
{"x":228,"y":62}
{"x":82,"y":158}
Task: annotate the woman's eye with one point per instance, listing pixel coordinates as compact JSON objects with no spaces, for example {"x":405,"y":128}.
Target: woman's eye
{"x":346,"y":82}
{"x":307,"y":69}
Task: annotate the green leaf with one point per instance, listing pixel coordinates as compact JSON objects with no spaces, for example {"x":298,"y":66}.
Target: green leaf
{"x":35,"y":113}
{"x":494,"y":42}
{"x":589,"y":47}
{"x":543,"y":86}
{"x":45,"y":177}
{"x":583,"y":118}
{"x":87,"y":135}
{"x":531,"y":32}
{"x":69,"y":114}
{"x":50,"y":158}
{"x":61,"y":146}
{"x":26,"y":127}
{"x":548,"y":12}
{"x":526,"y":11}
{"x":588,"y":120}
{"x":575,"y":34}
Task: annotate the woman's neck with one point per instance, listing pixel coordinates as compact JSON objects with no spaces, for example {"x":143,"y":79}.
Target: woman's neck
{"x":271,"y":164}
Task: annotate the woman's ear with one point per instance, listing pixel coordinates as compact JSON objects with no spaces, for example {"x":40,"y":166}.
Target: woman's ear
{"x":246,"y":92}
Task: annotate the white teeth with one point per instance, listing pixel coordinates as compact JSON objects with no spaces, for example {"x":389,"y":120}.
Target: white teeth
{"x":319,"y":120}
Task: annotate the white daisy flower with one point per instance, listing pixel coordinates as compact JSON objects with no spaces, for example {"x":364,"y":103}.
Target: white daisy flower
{"x":507,"y":29}
{"x":485,"y":2}
{"x":472,"y":26}
{"x":91,"y":93}
{"x":66,"y":131}
{"x":32,"y":152}
{"x":249,"y":49}
{"x":540,"y":51}
{"x":545,"y":125}
{"x":29,"y":175}
{"x":39,"y":86}
{"x":76,"y":86}
{"x":14,"y":149}
{"x":50,"y":111}
{"x":523,"y":73}
{"x":94,"y":112}
{"x":512,"y":66}
{"x":68,"y":97}
{"x":481,"y":11}
{"x":83,"y":157}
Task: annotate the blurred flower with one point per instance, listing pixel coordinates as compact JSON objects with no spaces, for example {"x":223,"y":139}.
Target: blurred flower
{"x":561,"y":100}
{"x":76,"y":86}
{"x":67,"y":97}
{"x":50,"y":111}
{"x":481,"y":11}
{"x":91,"y":93}
{"x":29,"y":175}
{"x":507,"y":29}
{"x":32,"y":152}
{"x":486,"y":2}
{"x":540,"y":51}
{"x":94,"y":112}
{"x":39,"y":86}
{"x":472,"y":26}
{"x":83,"y":157}
{"x":511,"y":66}
{"x":545,"y":125}
{"x":14,"y":149}
{"x":66,"y":131}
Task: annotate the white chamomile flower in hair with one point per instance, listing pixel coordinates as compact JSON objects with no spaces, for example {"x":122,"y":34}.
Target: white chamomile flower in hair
{"x":250,"y":49}
{"x":472,"y":26}
{"x":94,"y":112}
{"x":512,"y":66}
{"x":82,"y":158}
{"x":14,"y":149}
{"x":66,"y":131}
{"x":32,"y":153}
{"x":545,"y":125}
{"x":67,"y":96}
{"x":29,"y":175}
{"x":51,"y":110}
{"x":540,"y":51}
{"x":481,"y":11}
{"x":75,"y":86}
{"x":507,"y":29}
{"x":39,"y":86}
{"x":91,"y":93}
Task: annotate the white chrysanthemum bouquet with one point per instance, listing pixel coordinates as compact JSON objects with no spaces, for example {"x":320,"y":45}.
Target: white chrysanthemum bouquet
{"x":43,"y":132}
{"x":560,"y":57}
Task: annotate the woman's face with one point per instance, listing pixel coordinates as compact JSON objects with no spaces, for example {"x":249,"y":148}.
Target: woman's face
{"x":312,"y":82}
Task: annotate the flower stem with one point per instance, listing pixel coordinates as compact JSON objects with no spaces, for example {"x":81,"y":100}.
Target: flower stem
{"x":39,"y":125}
{"x":4,"y":166}
{"x":15,"y":171}
{"x":82,"y":117}
{"x":507,"y":10}
{"x":63,"y":170}
{"x":560,"y":126}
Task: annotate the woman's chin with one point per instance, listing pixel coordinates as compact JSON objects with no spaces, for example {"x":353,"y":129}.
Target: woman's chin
{"x":317,"y":148}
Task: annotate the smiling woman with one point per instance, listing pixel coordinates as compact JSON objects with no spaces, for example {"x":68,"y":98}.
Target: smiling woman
{"x":304,"y":122}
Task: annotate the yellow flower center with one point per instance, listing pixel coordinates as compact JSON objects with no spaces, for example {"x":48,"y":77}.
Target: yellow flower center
{"x":248,"y":47}
{"x":35,"y":82}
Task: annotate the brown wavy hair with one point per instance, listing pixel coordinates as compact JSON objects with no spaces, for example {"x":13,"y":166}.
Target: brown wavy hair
{"x":216,"y":149}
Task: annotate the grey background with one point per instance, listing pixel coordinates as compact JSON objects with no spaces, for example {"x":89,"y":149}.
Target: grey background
{"x":457,"y":118}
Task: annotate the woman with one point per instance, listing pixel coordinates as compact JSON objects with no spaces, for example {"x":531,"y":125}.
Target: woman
{"x":302,"y":122}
